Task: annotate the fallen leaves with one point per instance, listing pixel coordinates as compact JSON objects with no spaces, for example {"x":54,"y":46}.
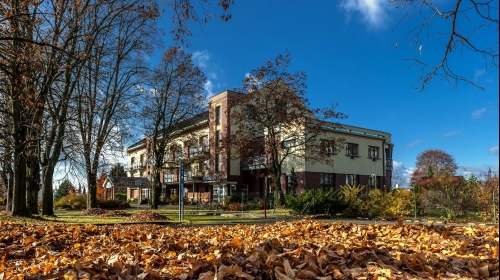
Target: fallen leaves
{"x":147,"y":215}
{"x":285,"y":250}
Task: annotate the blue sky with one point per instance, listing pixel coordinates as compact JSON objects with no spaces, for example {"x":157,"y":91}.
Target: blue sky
{"x":347,"y":48}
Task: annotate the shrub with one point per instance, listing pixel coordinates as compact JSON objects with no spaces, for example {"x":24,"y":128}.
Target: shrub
{"x":174,"y":199}
{"x":399,"y":204}
{"x":225,"y":202}
{"x":235,"y":197}
{"x":316,"y":202}
{"x":377,"y":204}
{"x":256,"y":203}
{"x":235,"y":206}
{"x":355,"y":206}
{"x":132,"y":201}
{"x":121,"y":196}
{"x":72,"y":202}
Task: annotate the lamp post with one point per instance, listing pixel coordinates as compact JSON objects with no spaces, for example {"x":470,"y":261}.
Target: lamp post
{"x":8,"y":189}
{"x":415,"y":201}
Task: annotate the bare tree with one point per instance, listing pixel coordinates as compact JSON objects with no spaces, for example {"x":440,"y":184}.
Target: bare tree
{"x":274,"y":120}
{"x":185,"y":11}
{"x":455,"y":28}
{"x":173,"y":104}
{"x":108,"y":87}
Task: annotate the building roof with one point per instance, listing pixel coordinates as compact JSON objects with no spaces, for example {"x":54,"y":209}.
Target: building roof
{"x":129,"y":181}
{"x":201,"y":117}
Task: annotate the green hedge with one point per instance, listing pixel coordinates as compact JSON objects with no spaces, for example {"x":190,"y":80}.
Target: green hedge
{"x":316,"y":202}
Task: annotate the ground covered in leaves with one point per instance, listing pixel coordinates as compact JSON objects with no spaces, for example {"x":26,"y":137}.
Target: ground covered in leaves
{"x":285,"y":250}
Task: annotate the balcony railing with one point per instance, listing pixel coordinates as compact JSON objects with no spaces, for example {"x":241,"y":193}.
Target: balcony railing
{"x":197,"y":151}
{"x":136,"y":165}
{"x":255,"y":163}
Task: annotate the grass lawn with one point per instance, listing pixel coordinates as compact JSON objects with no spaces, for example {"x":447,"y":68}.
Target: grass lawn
{"x":192,"y":216}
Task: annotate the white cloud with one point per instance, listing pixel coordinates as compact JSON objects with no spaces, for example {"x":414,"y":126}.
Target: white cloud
{"x":373,"y":12}
{"x":414,"y":143}
{"x":201,"y":58}
{"x":480,"y":72}
{"x":212,"y":72}
{"x":478,"y":171}
{"x":478,"y":113}
{"x":402,"y":174}
{"x":493,"y":150}
{"x":208,"y":86}
{"x":453,"y":133}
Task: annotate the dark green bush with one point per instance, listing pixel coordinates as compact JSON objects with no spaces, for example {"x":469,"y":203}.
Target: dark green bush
{"x":132,"y":201}
{"x":256,"y":203}
{"x":121,"y":196}
{"x":324,"y":202}
{"x":235,"y":197}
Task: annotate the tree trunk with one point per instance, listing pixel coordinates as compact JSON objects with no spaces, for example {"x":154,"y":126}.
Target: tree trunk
{"x":48,"y":192}
{"x":277,"y":189}
{"x":19,"y":130}
{"x":91,"y":180}
{"x":19,"y":194}
{"x":156,"y":190}
{"x":33,"y":185}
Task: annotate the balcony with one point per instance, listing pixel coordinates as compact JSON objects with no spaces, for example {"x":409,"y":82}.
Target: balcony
{"x":255,"y":163}
{"x":136,"y":165}
{"x":199,"y":151}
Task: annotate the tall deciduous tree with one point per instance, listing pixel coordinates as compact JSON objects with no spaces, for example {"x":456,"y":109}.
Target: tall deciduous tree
{"x":108,"y":87}
{"x":273,"y":119}
{"x":177,"y":96}
{"x":186,"y":11}
{"x":439,"y":162}
{"x":452,"y":28}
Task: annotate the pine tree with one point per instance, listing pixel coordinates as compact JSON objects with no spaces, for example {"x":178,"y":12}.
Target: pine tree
{"x":63,"y":190}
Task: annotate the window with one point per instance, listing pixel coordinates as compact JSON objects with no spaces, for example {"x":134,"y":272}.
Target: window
{"x":204,"y":166}
{"x":168,"y":177}
{"x":187,"y":175}
{"x":204,"y":141}
{"x":218,"y":138}
{"x":289,"y":143}
{"x":217,"y":115}
{"x":372,"y":152}
{"x":351,"y":179}
{"x":250,"y":111}
{"x":327,"y":181}
{"x":173,"y":191}
{"x":328,"y":147}
{"x":145,"y":193}
{"x":372,"y":181}
{"x":217,"y":163}
{"x":141,"y":162}
{"x":352,"y":150}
